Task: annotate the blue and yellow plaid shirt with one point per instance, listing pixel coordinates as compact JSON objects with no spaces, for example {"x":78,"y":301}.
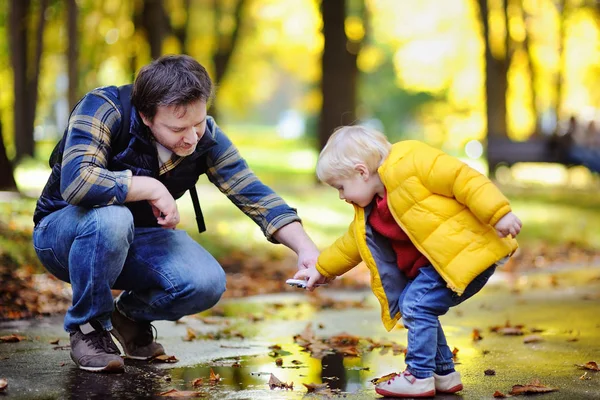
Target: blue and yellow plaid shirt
{"x":91,"y":176}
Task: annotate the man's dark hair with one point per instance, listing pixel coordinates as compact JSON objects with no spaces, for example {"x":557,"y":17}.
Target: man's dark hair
{"x":176,"y":80}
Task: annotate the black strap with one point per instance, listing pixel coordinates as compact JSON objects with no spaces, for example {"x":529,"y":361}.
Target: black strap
{"x":197,"y":210}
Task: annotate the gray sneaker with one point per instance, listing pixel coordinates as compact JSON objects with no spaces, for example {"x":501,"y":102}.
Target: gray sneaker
{"x":95,"y":350}
{"x":136,"y":338}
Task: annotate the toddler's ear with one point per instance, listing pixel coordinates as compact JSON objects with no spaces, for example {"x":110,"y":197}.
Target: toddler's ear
{"x":362,"y":170}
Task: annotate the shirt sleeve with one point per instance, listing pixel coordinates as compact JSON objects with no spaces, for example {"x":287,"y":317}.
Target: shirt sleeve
{"x":85,"y":179}
{"x":230,"y":173}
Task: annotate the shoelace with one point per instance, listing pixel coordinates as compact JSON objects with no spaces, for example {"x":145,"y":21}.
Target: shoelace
{"x":101,"y":341}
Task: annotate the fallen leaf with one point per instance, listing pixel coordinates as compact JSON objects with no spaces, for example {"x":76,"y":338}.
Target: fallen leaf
{"x":385,"y":378}
{"x":3,"y":384}
{"x":532,"y":387}
{"x":319,"y":388}
{"x":214,"y":378}
{"x":532,"y":339}
{"x":190,"y":334}
{"x":181,"y":393}
{"x":279,"y":362}
{"x":55,"y":341}
{"x":585,"y":377}
{"x":500,"y":395}
{"x":275,"y":383}
{"x":489,"y":372}
{"x":455,"y":352}
{"x":476,"y":335}
{"x":296,"y":362}
{"x":197,"y":382}
{"x":165,"y":359}
{"x":12,"y":338}
{"x":591,"y":365}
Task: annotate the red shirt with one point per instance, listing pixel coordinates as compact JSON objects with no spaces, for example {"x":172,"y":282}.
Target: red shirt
{"x":408,"y":257}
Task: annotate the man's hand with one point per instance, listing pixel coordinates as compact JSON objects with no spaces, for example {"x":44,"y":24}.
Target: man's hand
{"x":162,"y":202}
{"x":307,"y":257}
{"x":165,"y":209}
{"x":313,"y":277}
{"x":508,"y":225}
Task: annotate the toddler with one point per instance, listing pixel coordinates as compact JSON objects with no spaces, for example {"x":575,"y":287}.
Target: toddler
{"x":430,"y":229}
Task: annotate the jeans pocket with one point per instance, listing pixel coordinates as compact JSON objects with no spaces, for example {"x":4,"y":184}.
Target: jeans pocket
{"x":52,"y":264}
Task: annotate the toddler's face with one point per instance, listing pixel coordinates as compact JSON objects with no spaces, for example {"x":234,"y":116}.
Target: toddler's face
{"x":355,"y":190}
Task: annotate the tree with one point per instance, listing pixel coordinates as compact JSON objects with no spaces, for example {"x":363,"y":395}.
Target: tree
{"x":72,"y":52}
{"x":340,"y":72}
{"x":496,"y":80}
{"x":26,"y":72}
{"x":7,"y":180}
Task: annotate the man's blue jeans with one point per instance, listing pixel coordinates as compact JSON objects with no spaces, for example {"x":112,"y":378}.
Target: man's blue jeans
{"x":164,"y":273}
{"x":423,"y":300}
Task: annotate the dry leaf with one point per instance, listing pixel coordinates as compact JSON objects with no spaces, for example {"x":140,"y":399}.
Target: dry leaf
{"x":591,"y":365}
{"x":385,"y":378}
{"x":585,"y":377}
{"x":533,"y":387}
{"x":197,"y":382}
{"x":500,"y":395}
{"x":279,"y":362}
{"x":3,"y":384}
{"x":165,"y":359}
{"x":214,"y":378}
{"x":275,"y":383}
{"x":476,"y":335}
{"x":180,"y":393}
{"x":190,"y":334}
{"x":12,"y":338}
{"x":489,"y":372}
{"x":317,"y":388}
{"x":532,"y":339}
{"x":55,"y":341}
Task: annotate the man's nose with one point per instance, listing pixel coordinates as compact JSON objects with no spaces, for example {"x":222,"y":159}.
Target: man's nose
{"x":191,"y":136}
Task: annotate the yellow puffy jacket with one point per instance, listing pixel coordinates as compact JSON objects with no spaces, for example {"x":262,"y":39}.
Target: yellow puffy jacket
{"x":446,"y":208}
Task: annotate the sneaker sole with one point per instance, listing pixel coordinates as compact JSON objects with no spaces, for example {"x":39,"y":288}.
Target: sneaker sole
{"x":453,"y":389}
{"x":383,"y":392}
{"x":112,"y":366}
{"x":128,"y":355}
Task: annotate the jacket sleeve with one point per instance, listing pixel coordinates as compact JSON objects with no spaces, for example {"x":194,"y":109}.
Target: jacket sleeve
{"x":448,"y":176}
{"x":230,"y":173}
{"x":341,"y":256}
{"x":85,"y":179}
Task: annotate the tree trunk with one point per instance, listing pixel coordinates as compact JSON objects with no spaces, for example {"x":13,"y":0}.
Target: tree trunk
{"x":339,"y":80}
{"x":225,"y":46}
{"x":72,"y":52}
{"x":18,"y":47}
{"x":562,"y":5}
{"x":154,"y":19}
{"x":496,"y":83}
{"x":26,"y":73}
{"x":7,"y":180}
{"x":532,"y":70}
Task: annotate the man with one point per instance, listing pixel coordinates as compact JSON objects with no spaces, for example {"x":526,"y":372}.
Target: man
{"x":107,"y":216}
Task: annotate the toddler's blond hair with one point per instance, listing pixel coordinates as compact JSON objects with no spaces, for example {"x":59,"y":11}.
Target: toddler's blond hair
{"x":348,"y":146}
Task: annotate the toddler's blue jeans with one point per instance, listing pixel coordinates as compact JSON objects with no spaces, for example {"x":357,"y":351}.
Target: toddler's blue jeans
{"x":164,"y":273}
{"x":423,"y":300}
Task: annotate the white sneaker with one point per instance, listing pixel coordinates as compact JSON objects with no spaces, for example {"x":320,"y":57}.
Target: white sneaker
{"x":406,"y":385}
{"x":450,"y":383}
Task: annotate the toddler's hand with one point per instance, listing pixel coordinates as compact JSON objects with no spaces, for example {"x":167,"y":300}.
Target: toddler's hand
{"x":508,"y":225}
{"x":313,"y":277}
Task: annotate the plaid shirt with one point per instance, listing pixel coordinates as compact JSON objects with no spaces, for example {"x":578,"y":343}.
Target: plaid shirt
{"x":86,"y":179}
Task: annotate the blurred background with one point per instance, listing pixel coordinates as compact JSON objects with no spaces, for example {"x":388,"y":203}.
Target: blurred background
{"x":508,"y":86}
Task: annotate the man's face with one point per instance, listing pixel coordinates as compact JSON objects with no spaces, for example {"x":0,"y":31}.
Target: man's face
{"x":179,"y":128}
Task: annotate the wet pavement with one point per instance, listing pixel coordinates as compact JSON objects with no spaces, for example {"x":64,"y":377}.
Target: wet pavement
{"x":561,"y":308}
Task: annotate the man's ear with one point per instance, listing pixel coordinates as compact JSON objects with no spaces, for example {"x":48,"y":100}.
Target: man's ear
{"x":145,"y":120}
{"x":362,"y":170}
